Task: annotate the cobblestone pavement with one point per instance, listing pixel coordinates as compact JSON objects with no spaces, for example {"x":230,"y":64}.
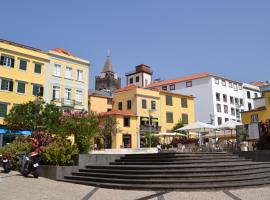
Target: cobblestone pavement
{"x":13,"y":186}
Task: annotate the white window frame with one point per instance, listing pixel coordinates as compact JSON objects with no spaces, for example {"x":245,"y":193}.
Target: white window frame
{"x":18,"y":87}
{"x":79,"y":96}
{"x":79,"y":75}
{"x":56,"y":71}
{"x":7,"y":61}
{"x":57,"y":91}
{"x":68,"y":72}
{"x":7,"y":90}
{"x":68,"y":94}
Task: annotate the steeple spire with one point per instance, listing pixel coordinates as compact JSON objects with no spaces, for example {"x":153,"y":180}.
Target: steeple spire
{"x":108,"y":63}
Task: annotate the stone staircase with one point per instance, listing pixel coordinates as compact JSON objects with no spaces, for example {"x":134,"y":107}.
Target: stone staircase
{"x":181,"y":171}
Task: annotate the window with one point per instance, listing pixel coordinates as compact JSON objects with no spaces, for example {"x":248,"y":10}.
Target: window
{"x":6,"y":85}
{"x":21,"y":87}
{"x":126,"y":121}
{"x":249,"y":106}
{"x":169,"y":117}
{"x":79,"y":75}
{"x":226,"y":109}
{"x":223,"y":83}
{"x":144,"y":106}
{"x":79,"y":96}
{"x":241,"y":102}
{"x":145,"y":82}
{"x":68,"y":73}
{"x":57,"y":70}
{"x":23,"y":65}
{"x":164,"y":87}
{"x":231,"y":100}
{"x":56,"y":93}
{"x":37,"y":68}
{"x":184,"y":103}
{"x":7,"y":61}
{"x":185,"y":118}
{"x":235,"y":86}
{"x":232,"y":112}
{"x":172,"y":87}
{"x":218,"y":107}
{"x":230,"y":84}
{"x":254,"y":118}
{"x":226,"y":119}
{"x":255,"y":95}
{"x":248,"y":94}
{"x":130,"y":80}
{"x":216,"y":81}
{"x":120,"y":105}
{"x":219,"y":120}
{"x":3,"y":109}
{"x":217,"y":96}
{"x":137,"y":79}
{"x":37,"y":90}
{"x":67,"y":94}
{"x":169,"y":100}
{"x":236,"y":101}
{"x":237,"y":113}
{"x":225,"y":98}
{"x":240,"y":87}
{"x":109,"y":101}
{"x":189,"y":84}
{"x":153,"y":105}
{"x":128,"y":104}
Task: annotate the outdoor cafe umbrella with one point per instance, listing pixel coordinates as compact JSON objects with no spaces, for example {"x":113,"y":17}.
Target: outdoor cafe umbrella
{"x":169,"y":135}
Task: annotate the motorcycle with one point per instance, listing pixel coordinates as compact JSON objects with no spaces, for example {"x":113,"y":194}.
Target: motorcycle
{"x":29,"y":164}
{"x":7,"y":163}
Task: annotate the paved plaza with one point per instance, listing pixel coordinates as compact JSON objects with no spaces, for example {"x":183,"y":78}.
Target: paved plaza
{"x":14,"y":186}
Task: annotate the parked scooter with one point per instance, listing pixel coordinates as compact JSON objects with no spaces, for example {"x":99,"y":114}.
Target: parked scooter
{"x":29,"y":164}
{"x":7,"y":163}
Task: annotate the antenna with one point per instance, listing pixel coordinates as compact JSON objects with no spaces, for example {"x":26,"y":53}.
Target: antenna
{"x":108,"y":52}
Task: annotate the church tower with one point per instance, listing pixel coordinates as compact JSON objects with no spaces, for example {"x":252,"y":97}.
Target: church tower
{"x":107,"y":80}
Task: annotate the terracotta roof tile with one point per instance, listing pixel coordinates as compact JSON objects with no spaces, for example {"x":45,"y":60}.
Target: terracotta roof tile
{"x":256,"y":109}
{"x":186,"y":78}
{"x":259,"y":83}
{"x":127,"y":88}
{"x":116,"y":112}
{"x":63,"y":51}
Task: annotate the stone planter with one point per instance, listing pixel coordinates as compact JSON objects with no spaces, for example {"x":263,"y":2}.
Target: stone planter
{"x":56,"y":172}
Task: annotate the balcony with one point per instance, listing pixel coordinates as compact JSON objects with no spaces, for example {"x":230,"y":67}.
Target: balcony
{"x":146,"y":128}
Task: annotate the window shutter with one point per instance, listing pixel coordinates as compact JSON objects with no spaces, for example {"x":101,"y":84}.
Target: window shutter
{"x":12,"y":62}
{"x":10,"y":86}
{"x":41,"y":91}
{"x":2,"y":60}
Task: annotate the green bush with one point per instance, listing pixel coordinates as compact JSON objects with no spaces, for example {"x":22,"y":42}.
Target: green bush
{"x":16,"y":148}
{"x":60,"y":152}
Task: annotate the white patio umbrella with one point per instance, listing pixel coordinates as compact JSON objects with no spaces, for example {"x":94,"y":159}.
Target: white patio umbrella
{"x":169,"y":134}
{"x":229,"y":125}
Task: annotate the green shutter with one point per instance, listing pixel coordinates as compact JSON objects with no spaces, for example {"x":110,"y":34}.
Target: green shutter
{"x":23,"y":64}
{"x":10,"y":86}
{"x":3,"y":110}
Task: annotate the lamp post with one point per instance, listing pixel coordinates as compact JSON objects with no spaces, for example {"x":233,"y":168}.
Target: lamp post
{"x":150,"y":127}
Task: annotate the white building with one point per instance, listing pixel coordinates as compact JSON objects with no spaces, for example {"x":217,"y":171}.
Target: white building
{"x":217,"y":99}
{"x":141,"y":76}
{"x":250,"y":92}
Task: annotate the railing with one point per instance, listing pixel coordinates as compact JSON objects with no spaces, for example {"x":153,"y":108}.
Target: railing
{"x":153,"y":128}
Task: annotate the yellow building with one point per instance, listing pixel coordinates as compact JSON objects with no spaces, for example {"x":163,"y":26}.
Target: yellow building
{"x":156,"y":111}
{"x":67,"y":80}
{"x":125,"y":135}
{"x":99,"y":101}
{"x":22,"y":75}
{"x":260,"y":113}
{"x":27,"y":72}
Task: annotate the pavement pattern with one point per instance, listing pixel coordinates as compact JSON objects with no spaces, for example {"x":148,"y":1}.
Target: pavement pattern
{"x":13,"y":186}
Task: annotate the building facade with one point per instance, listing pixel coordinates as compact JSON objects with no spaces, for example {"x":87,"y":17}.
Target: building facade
{"x":217,"y":99}
{"x":108,"y":80}
{"x":99,"y":101}
{"x":141,"y":76}
{"x":154,"y":111}
{"x":27,"y":72}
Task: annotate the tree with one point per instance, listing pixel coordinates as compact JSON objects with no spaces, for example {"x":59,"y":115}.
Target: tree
{"x":84,"y":127}
{"x":108,"y":127}
{"x":34,"y":115}
{"x":178,"y":125}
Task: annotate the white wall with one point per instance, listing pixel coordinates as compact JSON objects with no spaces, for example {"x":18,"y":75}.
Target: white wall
{"x":142,"y":77}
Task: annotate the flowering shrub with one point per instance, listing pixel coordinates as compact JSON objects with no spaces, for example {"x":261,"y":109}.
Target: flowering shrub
{"x":264,"y":142}
{"x":184,"y":140}
{"x":40,"y":139}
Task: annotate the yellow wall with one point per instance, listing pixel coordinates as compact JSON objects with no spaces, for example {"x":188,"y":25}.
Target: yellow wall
{"x":176,"y":109}
{"x":117,"y":139}
{"x":28,"y":76}
{"x":262,"y":114}
{"x":98,"y":104}
{"x":124,"y":97}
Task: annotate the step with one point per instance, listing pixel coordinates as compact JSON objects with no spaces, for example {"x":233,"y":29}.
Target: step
{"x":184,"y":187}
{"x":171,"y":181}
{"x":172,"y":176}
{"x":178,"y":166}
{"x":178,"y":158}
{"x":173,"y":162}
{"x":174,"y":171}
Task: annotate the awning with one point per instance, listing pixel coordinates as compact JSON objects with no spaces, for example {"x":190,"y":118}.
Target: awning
{"x":17,"y":132}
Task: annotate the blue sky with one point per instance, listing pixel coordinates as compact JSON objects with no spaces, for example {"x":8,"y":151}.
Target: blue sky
{"x":175,"y":37}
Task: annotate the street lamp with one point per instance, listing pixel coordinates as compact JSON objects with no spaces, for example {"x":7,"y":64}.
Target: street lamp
{"x":150,"y":117}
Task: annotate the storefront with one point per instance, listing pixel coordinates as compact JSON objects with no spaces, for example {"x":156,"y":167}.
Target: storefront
{"x":7,"y":136}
